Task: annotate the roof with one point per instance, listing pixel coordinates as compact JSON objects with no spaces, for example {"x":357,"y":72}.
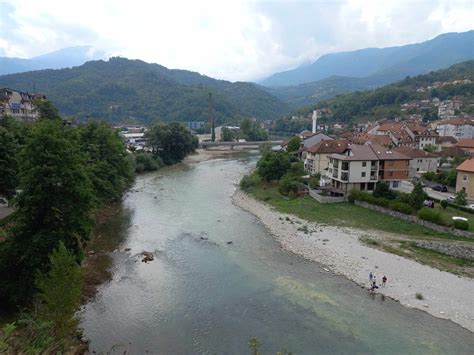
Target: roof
{"x":467,"y":165}
{"x":328,"y":147}
{"x":362,"y":138}
{"x":457,"y":121}
{"x":387,"y":154}
{"x":415,"y":153}
{"x":446,"y":139}
{"x":465,"y":143}
{"x":452,"y":152}
{"x":356,"y":152}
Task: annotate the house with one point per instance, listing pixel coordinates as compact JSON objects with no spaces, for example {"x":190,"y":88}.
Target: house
{"x":363,"y":138}
{"x":361,"y":167}
{"x":316,"y":159}
{"x":446,"y":109}
{"x":466,"y":144}
{"x":465,"y":178}
{"x":457,"y":127}
{"x":445,"y":142}
{"x":314,"y":138}
{"x":420,"y":161}
{"x":19,"y":105}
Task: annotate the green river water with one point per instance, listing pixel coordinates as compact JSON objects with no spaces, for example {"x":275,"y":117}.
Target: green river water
{"x":202,"y":295}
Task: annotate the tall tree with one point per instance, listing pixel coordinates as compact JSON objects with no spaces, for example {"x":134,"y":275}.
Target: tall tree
{"x":108,"y":164}
{"x":8,"y":163}
{"x":294,"y":144}
{"x":171,"y":142}
{"x":54,"y":205}
{"x":273,"y":165}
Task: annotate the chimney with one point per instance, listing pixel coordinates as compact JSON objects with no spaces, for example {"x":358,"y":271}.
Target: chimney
{"x":315,"y":118}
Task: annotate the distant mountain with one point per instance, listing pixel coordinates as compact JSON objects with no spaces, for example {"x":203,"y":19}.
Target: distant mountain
{"x":63,"y":58}
{"x":122,"y":90}
{"x":383,"y":65}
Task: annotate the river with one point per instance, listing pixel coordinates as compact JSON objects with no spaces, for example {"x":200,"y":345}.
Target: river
{"x":203,"y":294}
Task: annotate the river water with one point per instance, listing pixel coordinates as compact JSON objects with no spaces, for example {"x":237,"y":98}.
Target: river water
{"x":204,"y":295}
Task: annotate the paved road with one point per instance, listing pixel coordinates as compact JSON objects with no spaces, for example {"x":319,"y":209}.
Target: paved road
{"x":407,"y":186}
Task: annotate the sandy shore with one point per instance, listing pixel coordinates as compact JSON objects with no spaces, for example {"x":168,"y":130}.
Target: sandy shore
{"x":339,"y":250}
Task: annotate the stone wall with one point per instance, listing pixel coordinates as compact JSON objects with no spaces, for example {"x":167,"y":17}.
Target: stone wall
{"x":325,"y":199}
{"x":414,"y":219}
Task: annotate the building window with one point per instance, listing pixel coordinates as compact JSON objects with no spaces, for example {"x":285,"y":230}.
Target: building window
{"x":464,"y":178}
{"x":362,"y":174}
{"x":364,"y":164}
{"x":420,"y":160}
{"x":395,"y":184}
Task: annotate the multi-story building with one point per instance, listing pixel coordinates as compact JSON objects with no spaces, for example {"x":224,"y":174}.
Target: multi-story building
{"x":19,"y":105}
{"x":446,"y":109}
{"x":457,"y":127}
{"x":466,"y":145}
{"x":420,"y":161}
{"x":316,"y":157}
{"x":361,"y":167}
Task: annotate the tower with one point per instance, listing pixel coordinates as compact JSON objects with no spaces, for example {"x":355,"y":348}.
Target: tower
{"x":211,"y":120}
{"x":315,"y":119}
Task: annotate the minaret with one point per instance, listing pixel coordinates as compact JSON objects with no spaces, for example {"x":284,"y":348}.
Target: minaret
{"x":315,"y":119}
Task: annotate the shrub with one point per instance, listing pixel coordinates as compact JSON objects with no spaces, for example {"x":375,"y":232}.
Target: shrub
{"x":249,"y":181}
{"x":419,"y":296}
{"x":403,"y":197}
{"x":146,"y":162}
{"x":273,"y":165}
{"x":288,"y":183}
{"x":401,"y":207}
{"x":462,"y":225}
{"x":383,"y":190}
{"x":313,"y":182}
{"x":461,"y":198}
{"x":444,"y":204}
{"x":430,"y":215}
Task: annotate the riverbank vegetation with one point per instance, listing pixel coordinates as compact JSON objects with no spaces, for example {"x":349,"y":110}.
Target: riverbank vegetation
{"x":398,"y":237}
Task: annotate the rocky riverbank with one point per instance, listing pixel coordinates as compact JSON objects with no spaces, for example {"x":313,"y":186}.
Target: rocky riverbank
{"x":340,"y":250}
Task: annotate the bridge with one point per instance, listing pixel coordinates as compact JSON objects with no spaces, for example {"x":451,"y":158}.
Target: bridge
{"x":206,"y":145}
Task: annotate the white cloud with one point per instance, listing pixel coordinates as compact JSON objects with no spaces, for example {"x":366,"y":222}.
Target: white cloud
{"x":235,"y":40}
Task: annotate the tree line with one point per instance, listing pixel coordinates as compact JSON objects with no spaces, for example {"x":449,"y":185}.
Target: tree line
{"x":57,"y":177}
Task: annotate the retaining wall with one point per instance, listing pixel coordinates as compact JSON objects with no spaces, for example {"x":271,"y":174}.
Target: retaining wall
{"x":325,"y":199}
{"x":415,"y":219}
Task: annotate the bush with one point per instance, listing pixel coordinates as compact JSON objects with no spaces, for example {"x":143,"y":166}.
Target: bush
{"x":401,"y":207}
{"x":288,"y":183}
{"x":430,"y":215}
{"x":383,"y":190}
{"x":417,"y":196}
{"x":273,"y":165}
{"x":403,"y":197}
{"x":313,"y":182}
{"x":444,"y":204}
{"x":462,"y":225}
{"x":249,"y":181}
{"x":146,"y":162}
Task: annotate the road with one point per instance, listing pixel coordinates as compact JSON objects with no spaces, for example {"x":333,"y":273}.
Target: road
{"x":407,"y":186}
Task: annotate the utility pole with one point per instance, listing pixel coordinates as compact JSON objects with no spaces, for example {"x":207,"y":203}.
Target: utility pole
{"x":211,"y":120}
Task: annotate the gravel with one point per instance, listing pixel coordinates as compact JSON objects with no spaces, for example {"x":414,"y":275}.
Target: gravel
{"x":445,"y":295}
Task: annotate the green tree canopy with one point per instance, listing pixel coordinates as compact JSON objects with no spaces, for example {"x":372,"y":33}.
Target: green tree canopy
{"x":107,"y":164}
{"x":54,"y":205}
{"x":294,"y":144}
{"x":171,"y":142}
{"x":273,"y":165}
{"x":8,"y":163}
{"x":47,"y":110}
{"x":418,"y":196}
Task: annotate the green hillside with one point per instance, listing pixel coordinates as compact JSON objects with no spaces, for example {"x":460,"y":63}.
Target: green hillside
{"x":384,"y":102}
{"x":121,"y":90}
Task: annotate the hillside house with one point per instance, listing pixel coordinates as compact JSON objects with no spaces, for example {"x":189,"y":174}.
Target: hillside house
{"x":466,"y":145}
{"x":316,"y":158}
{"x":19,"y":105}
{"x":465,"y":178}
{"x":420,"y":161}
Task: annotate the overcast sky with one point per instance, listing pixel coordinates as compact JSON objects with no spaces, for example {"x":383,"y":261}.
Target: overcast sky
{"x":227,"y":39}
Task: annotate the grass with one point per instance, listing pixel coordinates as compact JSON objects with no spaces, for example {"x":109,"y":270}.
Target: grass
{"x":450,"y":212}
{"x":341,"y":214}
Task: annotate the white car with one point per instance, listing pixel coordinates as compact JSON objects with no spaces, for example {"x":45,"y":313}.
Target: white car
{"x":451,"y":198}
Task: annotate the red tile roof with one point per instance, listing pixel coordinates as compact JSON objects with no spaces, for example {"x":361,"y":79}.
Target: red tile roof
{"x":328,"y":147}
{"x":415,"y":153}
{"x":467,"y":165}
{"x":465,"y":143}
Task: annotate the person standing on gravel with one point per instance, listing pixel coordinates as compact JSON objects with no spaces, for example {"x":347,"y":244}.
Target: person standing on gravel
{"x":370,"y":276}
{"x":384,"y":280}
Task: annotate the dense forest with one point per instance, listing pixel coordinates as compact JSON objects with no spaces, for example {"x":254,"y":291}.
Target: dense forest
{"x":385,"y":101}
{"x":122,"y":90}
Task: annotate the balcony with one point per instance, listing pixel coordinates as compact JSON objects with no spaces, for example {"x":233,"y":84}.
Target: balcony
{"x":344,"y":176}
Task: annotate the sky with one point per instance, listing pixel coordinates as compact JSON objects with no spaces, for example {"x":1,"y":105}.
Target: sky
{"x":226,"y":39}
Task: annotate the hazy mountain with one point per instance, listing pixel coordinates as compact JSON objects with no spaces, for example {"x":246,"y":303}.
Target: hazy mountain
{"x":383,"y":65}
{"x":123,"y":90}
{"x":63,"y":58}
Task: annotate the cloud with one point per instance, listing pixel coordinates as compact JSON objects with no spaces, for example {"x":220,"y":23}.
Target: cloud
{"x":235,"y":40}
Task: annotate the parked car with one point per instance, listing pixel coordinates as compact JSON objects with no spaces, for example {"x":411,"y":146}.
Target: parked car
{"x":440,"y":188}
{"x":471,"y":206}
{"x":451,"y":198}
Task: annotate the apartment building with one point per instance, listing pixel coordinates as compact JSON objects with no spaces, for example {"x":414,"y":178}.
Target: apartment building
{"x":457,"y":127}
{"x":361,"y":167}
{"x":19,"y":105}
{"x":420,"y":161}
{"x":316,"y":157}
